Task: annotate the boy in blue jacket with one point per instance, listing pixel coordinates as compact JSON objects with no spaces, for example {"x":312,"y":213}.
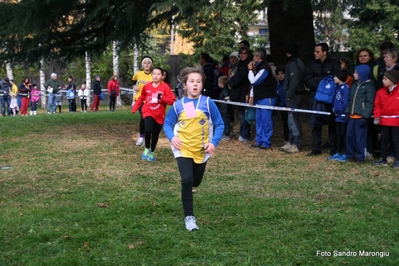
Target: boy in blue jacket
{"x":340,"y":102}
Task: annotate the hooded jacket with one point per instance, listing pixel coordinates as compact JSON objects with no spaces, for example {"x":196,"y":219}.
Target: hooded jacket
{"x":113,"y":85}
{"x":362,"y":94}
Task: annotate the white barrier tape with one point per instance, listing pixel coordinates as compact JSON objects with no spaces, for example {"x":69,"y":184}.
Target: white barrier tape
{"x":269,"y":107}
{"x":288,"y":109}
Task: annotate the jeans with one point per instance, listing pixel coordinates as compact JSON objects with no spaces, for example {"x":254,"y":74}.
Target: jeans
{"x":226,"y":121}
{"x":294,"y":124}
{"x":264,"y":123}
{"x":245,"y":127}
{"x":3,"y":100}
{"x":34,"y":106}
{"x":51,"y":105}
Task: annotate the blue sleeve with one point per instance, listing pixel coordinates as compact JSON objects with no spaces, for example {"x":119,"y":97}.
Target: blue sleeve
{"x":261,"y":78}
{"x":217,"y":123}
{"x":170,"y":122}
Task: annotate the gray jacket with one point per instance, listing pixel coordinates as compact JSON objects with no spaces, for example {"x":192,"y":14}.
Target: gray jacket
{"x":294,"y":77}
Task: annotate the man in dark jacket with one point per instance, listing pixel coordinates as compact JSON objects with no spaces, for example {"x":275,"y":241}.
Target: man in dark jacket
{"x":263,"y":92}
{"x":5,"y":98}
{"x":323,"y":65}
{"x":210,"y":81}
{"x":240,"y":86}
{"x":294,"y":89}
{"x":96,"y":94}
{"x":52,"y":87}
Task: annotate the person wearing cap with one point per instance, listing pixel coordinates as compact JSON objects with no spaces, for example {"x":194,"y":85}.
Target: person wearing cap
{"x":386,"y":106}
{"x":141,"y":78}
{"x":234,"y":58}
{"x":52,"y":87}
{"x":5,"y":98}
{"x":294,"y":89}
{"x":340,"y":102}
{"x":358,"y":110}
{"x":96,"y":94}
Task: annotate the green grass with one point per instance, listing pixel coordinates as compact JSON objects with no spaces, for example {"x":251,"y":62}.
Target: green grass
{"x":79,"y":194}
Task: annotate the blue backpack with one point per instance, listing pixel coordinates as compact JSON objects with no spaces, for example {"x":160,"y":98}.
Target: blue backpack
{"x":326,"y":90}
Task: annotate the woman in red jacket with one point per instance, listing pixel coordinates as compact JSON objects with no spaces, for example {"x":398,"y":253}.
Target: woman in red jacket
{"x":386,"y":114}
{"x":155,"y":95}
{"x":113,"y":91}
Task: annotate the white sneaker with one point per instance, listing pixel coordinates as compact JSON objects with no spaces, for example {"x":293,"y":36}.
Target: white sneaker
{"x":191,"y":224}
{"x":286,"y":146}
{"x":31,"y":112}
{"x":34,"y":112}
{"x":140,"y":141}
{"x":292,"y":149}
{"x":242,"y":139}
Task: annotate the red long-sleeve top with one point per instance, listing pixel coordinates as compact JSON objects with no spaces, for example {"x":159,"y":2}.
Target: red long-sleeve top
{"x":154,"y":106}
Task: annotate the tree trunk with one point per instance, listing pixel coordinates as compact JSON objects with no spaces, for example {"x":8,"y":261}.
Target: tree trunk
{"x":42,"y":81}
{"x":10,"y":74}
{"x":115,"y":62}
{"x":291,"y":23}
{"x":88,"y":75}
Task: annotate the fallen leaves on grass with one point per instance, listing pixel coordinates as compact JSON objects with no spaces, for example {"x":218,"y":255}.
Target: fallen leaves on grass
{"x":132,"y":246}
{"x":103,"y":205}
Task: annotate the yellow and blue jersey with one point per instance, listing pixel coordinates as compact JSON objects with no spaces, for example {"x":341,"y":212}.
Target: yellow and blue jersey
{"x":194,"y":128}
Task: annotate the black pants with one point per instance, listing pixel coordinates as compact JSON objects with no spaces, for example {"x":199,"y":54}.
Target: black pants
{"x":112,"y":101}
{"x":191,"y":175}
{"x":152,"y":130}
{"x":142,"y":126}
{"x":284,"y":119}
{"x":388,"y":133}
{"x":83,"y":102}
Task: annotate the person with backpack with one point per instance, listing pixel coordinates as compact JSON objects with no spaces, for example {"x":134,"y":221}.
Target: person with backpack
{"x":322,"y":66}
{"x":113,"y":91}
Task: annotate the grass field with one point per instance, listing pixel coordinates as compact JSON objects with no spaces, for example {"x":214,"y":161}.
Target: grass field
{"x":78,"y":193}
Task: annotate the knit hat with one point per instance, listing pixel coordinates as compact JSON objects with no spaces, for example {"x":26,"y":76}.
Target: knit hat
{"x":146,"y":58}
{"x":292,"y":48}
{"x":342,"y":75}
{"x":235,"y":54}
{"x":392,"y":75}
{"x":34,"y":85}
{"x":6,"y":80}
{"x":98,"y":76}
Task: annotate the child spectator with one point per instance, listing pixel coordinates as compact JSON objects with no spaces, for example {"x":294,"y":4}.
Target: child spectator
{"x":386,"y":106}
{"x":280,"y":74}
{"x":340,"y":102}
{"x":58,"y":100}
{"x":358,"y":110}
{"x":194,"y":127}
{"x":13,"y":104}
{"x":345,"y":65}
{"x":225,"y":109}
{"x":34,"y":99}
{"x":154,"y":97}
{"x":83,"y":94}
{"x":71,"y":98}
